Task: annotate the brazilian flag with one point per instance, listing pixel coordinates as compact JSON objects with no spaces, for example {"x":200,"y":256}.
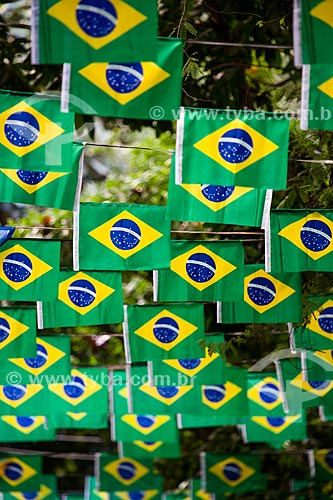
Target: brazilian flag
{"x":232,"y":148}
{"x":267,"y":298}
{"x":129,"y":495}
{"x":126,"y":474}
{"x":156,"y":332}
{"x":132,"y":427}
{"x":202,"y":271}
{"x":21,"y":400}
{"x":313,"y":32}
{"x":120,"y":236}
{"x":276,"y":430}
{"x":301,"y":240}
{"x":47,"y":189}
{"x":197,"y":492}
{"x":317,"y":97}
{"x":85,"y":299}
{"x":34,"y":134}
{"x":264,"y":394}
{"x":232,"y":473}
{"x":149,"y":449}
{"x":93,"y":29}
{"x":29,"y":269}
{"x":47,"y":490}
{"x":144,"y":90}
{"x":91,"y":491}
{"x":317,"y":332}
{"x":23,"y":428}
{"x":241,"y":206}
{"x":324,"y":464}
{"x":20,"y":473}
{"x":18,"y":329}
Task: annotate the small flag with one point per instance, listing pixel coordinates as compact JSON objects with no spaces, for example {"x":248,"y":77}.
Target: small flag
{"x":264,"y":394}
{"x":214,"y":270}
{"x":18,"y":329}
{"x":85,"y":299}
{"x":29,"y":269}
{"x":155,"y":332}
{"x":47,"y":189}
{"x":135,"y":427}
{"x":149,"y":449}
{"x":317,"y":333}
{"x":301,"y":240}
{"x":267,"y":298}
{"x":317,"y":96}
{"x":116,"y":236}
{"x":34,"y":134}
{"x":238,"y":473}
{"x":94,"y":29}
{"x":126,"y":474}
{"x":47,"y":489}
{"x":23,"y":399}
{"x":13,"y":429}
{"x":144,"y":90}
{"x":19,"y":473}
{"x":234,"y":149}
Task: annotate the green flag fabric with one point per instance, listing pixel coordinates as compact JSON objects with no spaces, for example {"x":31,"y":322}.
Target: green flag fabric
{"x":27,"y":472}
{"x":34,"y":134}
{"x":118,"y":392}
{"x":62,"y":29}
{"x":144,"y":90}
{"x":317,"y":96}
{"x":190,"y":421}
{"x":47,"y":490}
{"x":47,"y":189}
{"x":18,"y":329}
{"x":20,"y":429}
{"x":276,"y":430}
{"x":84,"y":299}
{"x":202,"y":271}
{"x":313,"y":31}
{"x":216,"y":204}
{"x":232,"y":474}
{"x":267,"y":298}
{"x":232,"y":148}
{"x":209,"y":369}
{"x":29,"y":269}
{"x":301,"y":240}
{"x":264,"y":394}
{"x":132,"y":427}
{"x":21,"y":400}
{"x":126,"y":474}
{"x":52,"y":360}
{"x":120,"y":236}
{"x":149,"y":449}
{"x":156,"y":332}
{"x":81,"y":401}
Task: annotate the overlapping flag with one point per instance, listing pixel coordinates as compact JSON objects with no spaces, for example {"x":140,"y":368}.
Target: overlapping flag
{"x":18,"y":329}
{"x":25,"y":428}
{"x":19,"y":472}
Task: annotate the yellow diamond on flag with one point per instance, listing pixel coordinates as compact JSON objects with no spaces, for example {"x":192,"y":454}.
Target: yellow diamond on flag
{"x":77,"y":390}
{"x":324,"y":12}
{"x":327,"y":87}
{"x":232,"y":471}
{"x":312,"y":234}
{"x":216,"y":396}
{"x":119,"y":470}
{"x":148,"y":446}
{"x":103,"y":495}
{"x":43,"y":492}
{"x":262,"y":291}
{"x":324,"y":458}
{"x":317,"y":387}
{"x":31,"y":181}
{"x":24,"y":470}
{"x":77,"y":416}
{"x":191,"y":372}
{"x":125,"y":234}
{"x":151,"y":422}
{"x":266,"y":393}
{"x":10,"y":329}
{"x":201,"y":267}
{"x":47,"y":353}
{"x":167,"y":394}
{"x":16,"y":395}
{"x":321,"y":321}
{"x":276,"y":424}
{"x":109,"y":77}
{"x":24,"y":129}
{"x":326,"y":355}
{"x":83,"y":293}
{"x":144,"y":495}
{"x":236,"y":146}
{"x":30,"y":423}
{"x":19,"y":267}
{"x":211,"y":195}
{"x":166,"y":330}
{"x":95,"y":25}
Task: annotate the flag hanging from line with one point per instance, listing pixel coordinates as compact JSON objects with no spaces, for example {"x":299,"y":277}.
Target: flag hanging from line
{"x":143,"y":90}
{"x":126,"y":474}
{"x":264,"y":395}
{"x":62,"y":29}
{"x":132,"y":427}
{"x":119,"y":236}
{"x":317,"y":97}
{"x":17,"y":429}
{"x":149,"y":449}
{"x":202,"y":271}
{"x":47,"y":189}
{"x":84,"y":299}
{"x":155,"y":332}
{"x":20,"y":473}
{"x":313,"y":31}
{"x":267,"y":298}
{"x":34,"y":134}
{"x":21,"y":400}
{"x":241,"y":206}
{"x":317,"y":333}
{"x":47,"y":490}
{"x":301,"y":240}
{"x":232,"y":148}
{"x":18,"y":330}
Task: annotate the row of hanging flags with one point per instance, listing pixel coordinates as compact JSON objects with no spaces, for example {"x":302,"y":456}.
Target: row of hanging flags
{"x":245,"y":157}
